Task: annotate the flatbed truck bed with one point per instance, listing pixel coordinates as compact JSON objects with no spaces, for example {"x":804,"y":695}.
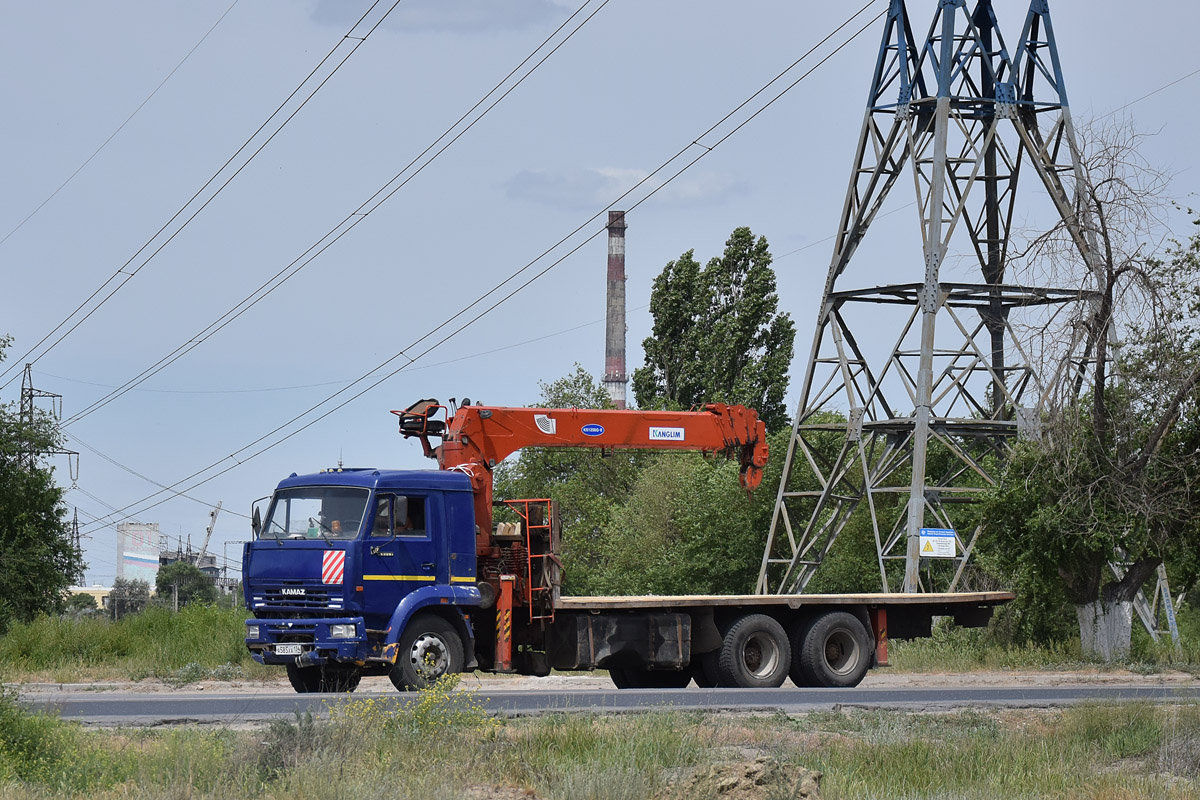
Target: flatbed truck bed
{"x":663,"y":641}
{"x":948,"y":600}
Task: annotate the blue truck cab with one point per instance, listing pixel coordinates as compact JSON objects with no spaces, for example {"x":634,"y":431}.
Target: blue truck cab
{"x":357,"y":572}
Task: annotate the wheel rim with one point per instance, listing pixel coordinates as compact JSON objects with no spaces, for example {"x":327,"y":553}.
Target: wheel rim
{"x":429,"y":656}
{"x":841,"y":652}
{"x":761,"y":655}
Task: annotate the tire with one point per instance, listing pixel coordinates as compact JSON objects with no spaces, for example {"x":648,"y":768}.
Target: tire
{"x":705,"y":677}
{"x":836,"y":651}
{"x":706,"y":669}
{"x":796,"y":633}
{"x":324,"y":678}
{"x":650,"y":678}
{"x":429,"y":649}
{"x":755,"y":654}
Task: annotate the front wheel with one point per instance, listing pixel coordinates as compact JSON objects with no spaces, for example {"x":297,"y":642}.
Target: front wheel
{"x":836,"y":651}
{"x":323,"y":678}
{"x":429,"y":649}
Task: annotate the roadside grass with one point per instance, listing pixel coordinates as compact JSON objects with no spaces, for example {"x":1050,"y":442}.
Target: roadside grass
{"x":953,"y":649}
{"x":1125,"y":751}
{"x":443,"y":745}
{"x":198,"y":643}
{"x":970,"y":650}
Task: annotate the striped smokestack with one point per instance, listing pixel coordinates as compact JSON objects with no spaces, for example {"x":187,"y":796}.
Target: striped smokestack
{"x":614,"y":332}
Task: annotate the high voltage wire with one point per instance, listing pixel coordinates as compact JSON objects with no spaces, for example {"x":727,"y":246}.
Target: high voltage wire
{"x":163,"y":486}
{"x":120,"y":127}
{"x":345,"y":381}
{"x":705,"y":149}
{"x":137,"y":474}
{"x":121,"y":276}
{"x":351,"y":220}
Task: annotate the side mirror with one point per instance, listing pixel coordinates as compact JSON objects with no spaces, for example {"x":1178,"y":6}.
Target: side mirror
{"x":256,"y":515}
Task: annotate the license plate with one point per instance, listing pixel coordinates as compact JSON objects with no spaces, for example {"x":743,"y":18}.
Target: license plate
{"x":287,"y":649}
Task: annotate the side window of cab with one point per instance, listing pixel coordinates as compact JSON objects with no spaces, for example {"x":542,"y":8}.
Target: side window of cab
{"x":410,"y":515}
{"x":398,"y":515}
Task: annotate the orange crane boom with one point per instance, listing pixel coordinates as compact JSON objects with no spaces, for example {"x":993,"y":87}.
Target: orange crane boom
{"x":477,"y":438}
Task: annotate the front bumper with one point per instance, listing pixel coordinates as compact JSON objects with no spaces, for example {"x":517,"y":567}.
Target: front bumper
{"x":315,"y":643}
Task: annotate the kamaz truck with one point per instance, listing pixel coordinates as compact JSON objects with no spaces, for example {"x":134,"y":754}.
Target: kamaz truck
{"x":416,"y":574}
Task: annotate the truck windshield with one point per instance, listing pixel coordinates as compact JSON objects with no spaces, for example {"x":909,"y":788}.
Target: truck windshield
{"x":315,"y":512}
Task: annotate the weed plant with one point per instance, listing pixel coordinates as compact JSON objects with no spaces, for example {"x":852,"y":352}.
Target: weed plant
{"x":437,"y":745}
{"x":198,"y":642}
{"x":953,"y":649}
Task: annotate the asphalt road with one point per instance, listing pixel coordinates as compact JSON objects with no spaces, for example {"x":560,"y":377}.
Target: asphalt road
{"x":132,"y":708}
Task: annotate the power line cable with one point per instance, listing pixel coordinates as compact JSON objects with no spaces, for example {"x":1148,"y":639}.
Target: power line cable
{"x":149,"y":480}
{"x":351,"y":220}
{"x":1151,"y":94}
{"x":705,"y":150}
{"x":120,"y":127}
{"x":76,"y":439}
{"x":94,"y":498}
{"x":345,"y":381}
{"x":121,"y":277}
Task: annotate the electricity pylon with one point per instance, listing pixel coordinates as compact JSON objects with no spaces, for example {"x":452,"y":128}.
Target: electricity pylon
{"x":29,"y":449}
{"x":961,"y":114}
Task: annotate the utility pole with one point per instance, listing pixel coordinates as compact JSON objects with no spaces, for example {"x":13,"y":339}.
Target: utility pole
{"x":75,"y":539}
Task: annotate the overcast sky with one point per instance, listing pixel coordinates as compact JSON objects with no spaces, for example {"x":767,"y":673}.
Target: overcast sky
{"x":638,"y":83}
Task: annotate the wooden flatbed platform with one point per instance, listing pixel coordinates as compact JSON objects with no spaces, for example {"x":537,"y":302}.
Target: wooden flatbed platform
{"x":789,"y":600}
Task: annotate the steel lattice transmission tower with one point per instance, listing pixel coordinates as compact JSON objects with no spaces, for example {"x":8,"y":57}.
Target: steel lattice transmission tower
{"x":916,"y":431}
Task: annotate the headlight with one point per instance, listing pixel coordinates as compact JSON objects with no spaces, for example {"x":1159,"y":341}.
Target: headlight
{"x":251,"y":631}
{"x":343,"y":631}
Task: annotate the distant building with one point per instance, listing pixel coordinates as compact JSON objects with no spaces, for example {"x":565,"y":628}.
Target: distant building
{"x":98,"y":593}
{"x":137,"y":551}
{"x":206,"y":564}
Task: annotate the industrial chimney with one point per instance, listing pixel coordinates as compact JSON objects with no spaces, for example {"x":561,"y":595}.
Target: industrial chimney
{"x":614,"y":332}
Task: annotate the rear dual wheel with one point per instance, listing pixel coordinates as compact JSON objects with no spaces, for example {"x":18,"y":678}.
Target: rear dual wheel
{"x":834,"y":650}
{"x":831,"y":650}
{"x":754,"y":654}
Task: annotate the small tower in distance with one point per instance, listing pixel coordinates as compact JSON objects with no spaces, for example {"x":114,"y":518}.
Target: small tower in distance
{"x":615,"y":379}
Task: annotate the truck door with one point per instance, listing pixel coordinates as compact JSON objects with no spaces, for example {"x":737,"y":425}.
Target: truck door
{"x":404,"y":550}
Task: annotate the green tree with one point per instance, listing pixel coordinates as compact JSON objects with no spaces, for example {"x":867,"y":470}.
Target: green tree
{"x":128,"y":597}
{"x":687,"y":527}
{"x":80,"y":602}
{"x":1116,"y":478}
{"x":586,"y":483}
{"x":184,"y":582}
{"x":718,"y":333}
{"x":38,"y":557}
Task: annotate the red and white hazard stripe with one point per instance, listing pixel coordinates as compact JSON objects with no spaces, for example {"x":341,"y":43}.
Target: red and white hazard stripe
{"x":333,"y":565}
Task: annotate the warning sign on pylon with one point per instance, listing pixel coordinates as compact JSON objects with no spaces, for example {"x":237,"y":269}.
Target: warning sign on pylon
{"x":938,"y":543}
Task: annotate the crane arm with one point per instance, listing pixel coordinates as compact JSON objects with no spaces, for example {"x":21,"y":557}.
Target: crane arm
{"x":477,"y":438}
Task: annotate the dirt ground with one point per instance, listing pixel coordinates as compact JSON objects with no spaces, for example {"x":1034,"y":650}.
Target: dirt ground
{"x":589,"y":682}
